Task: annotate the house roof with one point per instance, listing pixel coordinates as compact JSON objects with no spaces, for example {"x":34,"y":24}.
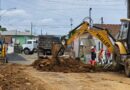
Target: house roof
{"x":15,"y":32}
{"x":112,"y":28}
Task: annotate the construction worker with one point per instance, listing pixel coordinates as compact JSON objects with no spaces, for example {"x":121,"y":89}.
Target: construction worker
{"x":4,"y":52}
{"x":108,"y":56}
{"x":100,"y":56}
{"x":93,"y":55}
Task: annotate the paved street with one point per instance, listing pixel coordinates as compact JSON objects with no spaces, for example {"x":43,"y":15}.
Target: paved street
{"x":21,"y":58}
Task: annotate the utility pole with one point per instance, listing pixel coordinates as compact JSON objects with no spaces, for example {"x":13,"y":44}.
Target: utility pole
{"x":31,"y":29}
{"x":90,"y":18}
{"x":102,"y":20}
{"x":41,"y":31}
{"x":0,"y":5}
{"x":71,"y":23}
{"x":128,"y":9}
{"x":0,"y":10}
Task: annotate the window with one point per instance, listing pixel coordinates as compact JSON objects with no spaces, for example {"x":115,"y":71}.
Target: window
{"x":124,"y":30}
{"x":34,"y":41}
{"x":29,"y":42}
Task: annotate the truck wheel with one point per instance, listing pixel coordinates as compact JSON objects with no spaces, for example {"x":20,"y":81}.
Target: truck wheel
{"x":26,"y":51}
{"x":6,"y":60}
{"x":116,"y":66}
{"x":127,"y":68}
{"x":31,"y":52}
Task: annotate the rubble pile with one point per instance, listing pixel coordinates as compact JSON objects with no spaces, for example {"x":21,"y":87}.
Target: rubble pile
{"x":62,"y":65}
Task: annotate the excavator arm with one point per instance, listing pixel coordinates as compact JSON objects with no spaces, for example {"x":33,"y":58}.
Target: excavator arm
{"x":102,"y":34}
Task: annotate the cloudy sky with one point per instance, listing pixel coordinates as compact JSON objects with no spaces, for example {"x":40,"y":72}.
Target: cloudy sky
{"x":53,"y":16}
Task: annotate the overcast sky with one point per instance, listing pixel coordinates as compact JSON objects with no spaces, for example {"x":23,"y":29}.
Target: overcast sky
{"x":53,"y":16}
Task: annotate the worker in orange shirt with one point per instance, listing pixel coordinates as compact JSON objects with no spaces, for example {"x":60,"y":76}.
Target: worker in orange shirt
{"x":100,"y":56}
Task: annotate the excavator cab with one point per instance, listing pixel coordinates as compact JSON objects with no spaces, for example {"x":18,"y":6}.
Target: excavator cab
{"x":122,"y":47}
{"x":124,"y":37}
{"x":125,"y":34}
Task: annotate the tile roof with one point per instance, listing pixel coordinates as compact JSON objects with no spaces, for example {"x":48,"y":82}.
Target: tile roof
{"x":113,"y":28}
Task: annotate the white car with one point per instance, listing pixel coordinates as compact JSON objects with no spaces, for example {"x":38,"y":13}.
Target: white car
{"x":30,"y":47}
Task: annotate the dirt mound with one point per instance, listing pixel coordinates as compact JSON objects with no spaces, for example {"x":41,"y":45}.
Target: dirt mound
{"x":62,"y":65}
{"x":12,"y":77}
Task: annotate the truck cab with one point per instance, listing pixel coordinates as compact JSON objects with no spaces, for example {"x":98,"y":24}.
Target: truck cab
{"x":30,"y":47}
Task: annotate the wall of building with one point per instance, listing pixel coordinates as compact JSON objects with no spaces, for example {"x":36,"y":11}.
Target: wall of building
{"x":76,"y":47}
{"x":82,"y":46}
{"x":21,"y":39}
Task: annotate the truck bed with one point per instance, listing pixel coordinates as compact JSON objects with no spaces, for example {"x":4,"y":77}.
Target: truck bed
{"x":45,"y":44}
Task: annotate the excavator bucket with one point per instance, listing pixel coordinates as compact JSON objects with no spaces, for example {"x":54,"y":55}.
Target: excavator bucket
{"x":57,"y":49}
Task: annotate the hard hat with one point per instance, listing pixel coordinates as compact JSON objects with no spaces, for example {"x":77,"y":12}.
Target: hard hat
{"x":92,"y":47}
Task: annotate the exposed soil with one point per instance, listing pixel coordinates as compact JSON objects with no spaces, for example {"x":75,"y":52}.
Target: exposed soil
{"x":12,"y":77}
{"x":19,"y":77}
{"x":51,"y":75}
{"x":62,"y":65}
{"x":81,"y":81}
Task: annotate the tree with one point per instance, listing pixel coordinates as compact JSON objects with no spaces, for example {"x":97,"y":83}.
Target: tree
{"x":2,"y":28}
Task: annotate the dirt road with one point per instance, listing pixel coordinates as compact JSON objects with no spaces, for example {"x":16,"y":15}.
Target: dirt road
{"x":21,"y":58}
{"x":19,"y":77}
{"x":81,"y":81}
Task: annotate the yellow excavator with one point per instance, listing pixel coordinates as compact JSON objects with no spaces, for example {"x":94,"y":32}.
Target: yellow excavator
{"x":100,"y":33}
{"x":119,"y":47}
